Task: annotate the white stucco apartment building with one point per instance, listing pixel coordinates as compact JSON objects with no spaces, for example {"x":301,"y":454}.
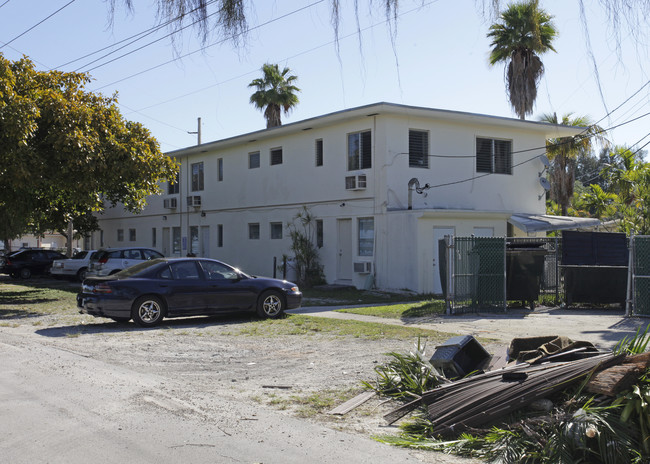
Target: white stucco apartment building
{"x":384,"y":181}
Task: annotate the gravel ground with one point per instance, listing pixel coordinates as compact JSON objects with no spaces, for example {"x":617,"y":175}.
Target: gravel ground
{"x":210,"y":358}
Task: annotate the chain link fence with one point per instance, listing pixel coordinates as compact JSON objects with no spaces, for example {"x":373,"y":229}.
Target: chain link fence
{"x":477,"y":272}
{"x":641,"y":274}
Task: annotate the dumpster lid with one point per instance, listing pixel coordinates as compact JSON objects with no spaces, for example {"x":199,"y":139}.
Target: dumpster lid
{"x":545,"y":222}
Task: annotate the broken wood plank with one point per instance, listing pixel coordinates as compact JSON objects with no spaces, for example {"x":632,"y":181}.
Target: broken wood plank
{"x":283,"y":387}
{"x":350,"y":404}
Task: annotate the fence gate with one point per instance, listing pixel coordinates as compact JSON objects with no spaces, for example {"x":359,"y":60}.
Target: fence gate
{"x":478,"y":274}
{"x":641,"y":274}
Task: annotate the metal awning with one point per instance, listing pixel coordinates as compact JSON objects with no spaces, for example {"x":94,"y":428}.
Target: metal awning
{"x":544,"y":222}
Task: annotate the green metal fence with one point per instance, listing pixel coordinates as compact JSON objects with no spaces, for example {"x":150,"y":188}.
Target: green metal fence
{"x":478,"y":276}
{"x":641,"y":275}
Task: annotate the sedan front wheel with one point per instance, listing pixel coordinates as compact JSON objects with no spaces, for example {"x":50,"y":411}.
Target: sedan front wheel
{"x":148,"y":311}
{"x":271,"y":304}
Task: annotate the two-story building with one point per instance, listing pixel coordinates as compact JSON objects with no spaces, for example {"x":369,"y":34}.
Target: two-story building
{"x":384,"y":182}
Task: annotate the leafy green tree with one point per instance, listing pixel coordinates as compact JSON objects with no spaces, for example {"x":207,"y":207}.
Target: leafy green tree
{"x":523,"y":32}
{"x":275,"y":93}
{"x":599,"y":203}
{"x":66,"y":152}
{"x":563,"y":153}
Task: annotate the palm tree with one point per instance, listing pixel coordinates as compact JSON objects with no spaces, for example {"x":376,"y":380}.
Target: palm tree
{"x":275,"y":92}
{"x":523,"y":32}
{"x":563,"y":153}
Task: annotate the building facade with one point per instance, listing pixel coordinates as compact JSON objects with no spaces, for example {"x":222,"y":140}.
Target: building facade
{"x":384,"y":183}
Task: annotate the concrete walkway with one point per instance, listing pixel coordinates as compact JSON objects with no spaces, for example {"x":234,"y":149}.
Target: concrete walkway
{"x":603,"y":327}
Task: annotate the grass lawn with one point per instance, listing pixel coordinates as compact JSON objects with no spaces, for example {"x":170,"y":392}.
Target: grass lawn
{"x":25,"y":301}
{"x":402,"y":310}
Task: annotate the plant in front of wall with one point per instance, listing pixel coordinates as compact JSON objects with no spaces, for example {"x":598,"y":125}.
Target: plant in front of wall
{"x":309,"y":271}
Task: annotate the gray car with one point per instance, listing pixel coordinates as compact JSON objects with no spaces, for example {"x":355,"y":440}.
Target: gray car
{"x":77,"y":266}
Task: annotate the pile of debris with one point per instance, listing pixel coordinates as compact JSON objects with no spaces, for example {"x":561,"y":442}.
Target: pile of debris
{"x":553,"y":365}
{"x":561,"y":397}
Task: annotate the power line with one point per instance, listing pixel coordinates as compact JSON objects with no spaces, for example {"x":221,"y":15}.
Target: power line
{"x":5,"y":3}
{"x":201,"y":49}
{"x":140,"y":36}
{"x":37,"y":24}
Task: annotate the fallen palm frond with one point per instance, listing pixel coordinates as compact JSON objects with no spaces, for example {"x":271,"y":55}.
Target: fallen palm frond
{"x":405,"y":375}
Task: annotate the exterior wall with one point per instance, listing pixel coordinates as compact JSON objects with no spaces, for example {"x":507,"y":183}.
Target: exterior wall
{"x":403,"y":239}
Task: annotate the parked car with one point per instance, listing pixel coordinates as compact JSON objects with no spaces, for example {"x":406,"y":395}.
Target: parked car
{"x":108,"y":261}
{"x":77,"y":266}
{"x":178,"y":287}
{"x":26,"y":262}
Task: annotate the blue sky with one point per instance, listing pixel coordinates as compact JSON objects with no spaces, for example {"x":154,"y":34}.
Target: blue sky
{"x":438,"y":58}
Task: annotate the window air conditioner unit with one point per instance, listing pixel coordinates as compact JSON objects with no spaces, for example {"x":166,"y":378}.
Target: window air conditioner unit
{"x":356,"y":182}
{"x":363,"y":268}
{"x":170,"y":203}
{"x":194,"y":201}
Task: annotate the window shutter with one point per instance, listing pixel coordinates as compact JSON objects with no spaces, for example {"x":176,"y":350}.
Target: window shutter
{"x":483,"y":155}
{"x":418,"y":149}
{"x":366,"y":150}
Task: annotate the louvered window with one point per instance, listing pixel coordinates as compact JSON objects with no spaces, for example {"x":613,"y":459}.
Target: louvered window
{"x":359,"y":151}
{"x":276,"y":156}
{"x":319,"y":152}
{"x":418,"y":149}
{"x":254,"y":160}
{"x":494,"y":156}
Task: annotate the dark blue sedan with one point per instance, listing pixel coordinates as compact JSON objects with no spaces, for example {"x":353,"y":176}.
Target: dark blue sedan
{"x":179,"y":287}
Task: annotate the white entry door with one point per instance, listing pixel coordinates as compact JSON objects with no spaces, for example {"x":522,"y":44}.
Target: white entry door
{"x":344,"y":240}
{"x":439,"y":234}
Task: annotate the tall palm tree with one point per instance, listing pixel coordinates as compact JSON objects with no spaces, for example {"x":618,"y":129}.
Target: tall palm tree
{"x":563,"y":153}
{"x":523,"y":32}
{"x":275,"y":93}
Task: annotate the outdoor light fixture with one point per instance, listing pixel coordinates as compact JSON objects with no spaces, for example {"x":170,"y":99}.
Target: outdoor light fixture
{"x":164,"y":218}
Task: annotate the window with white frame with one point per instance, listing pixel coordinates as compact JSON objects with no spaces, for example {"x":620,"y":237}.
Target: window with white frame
{"x":154,"y":238}
{"x":197,"y":177}
{"x":254,"y":231}
{"x":254,"y":160}
{"x":418,"y":149}
{"x":120,"y":235}
{"x":131,"y":235}
{"x":220,"y":235}
{"x":173,"y":186}
{"x":493,"y":155}
{"x":276,"y":230}
{"x":220,"y":169}
{"x":366,"y":236}
{"x":276,"y":156}
{"x":319,"y":152}
{"x":359,"y":150}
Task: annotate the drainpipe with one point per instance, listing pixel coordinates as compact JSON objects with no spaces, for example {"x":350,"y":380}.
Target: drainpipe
{"x":414,"y":184}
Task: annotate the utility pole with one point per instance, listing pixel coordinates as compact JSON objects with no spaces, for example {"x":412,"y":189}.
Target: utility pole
{"x":198,"y":131}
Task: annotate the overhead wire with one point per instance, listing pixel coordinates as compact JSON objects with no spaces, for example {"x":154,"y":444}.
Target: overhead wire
{"x":202,"y":48}
{"x":3,"y":4}
{"x":37,"y":24}
{"x":140,"y":36}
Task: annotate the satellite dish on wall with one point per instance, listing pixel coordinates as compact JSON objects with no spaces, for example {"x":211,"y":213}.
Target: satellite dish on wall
{"x":545,"y":161}
{"x":543,"y":181}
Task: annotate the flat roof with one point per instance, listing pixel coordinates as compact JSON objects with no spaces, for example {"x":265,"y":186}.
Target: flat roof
{"x":376,"y":109}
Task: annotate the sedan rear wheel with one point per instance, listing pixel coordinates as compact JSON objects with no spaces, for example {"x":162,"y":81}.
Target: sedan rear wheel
{"x":271,"y":304}
{"x":148,"y":311}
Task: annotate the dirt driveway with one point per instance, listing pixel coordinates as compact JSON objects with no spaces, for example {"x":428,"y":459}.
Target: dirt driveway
{"x":225,"y":358}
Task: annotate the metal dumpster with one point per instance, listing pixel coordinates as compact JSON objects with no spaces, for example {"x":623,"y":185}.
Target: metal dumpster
{"x":524,"y":271}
